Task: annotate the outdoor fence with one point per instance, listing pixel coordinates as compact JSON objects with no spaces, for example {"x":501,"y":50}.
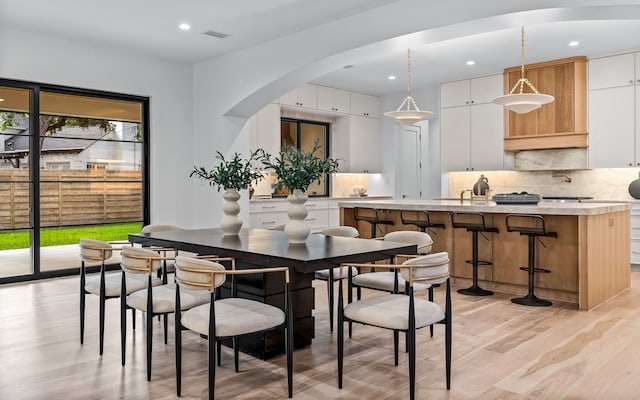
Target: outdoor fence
{"x":70,"y":197}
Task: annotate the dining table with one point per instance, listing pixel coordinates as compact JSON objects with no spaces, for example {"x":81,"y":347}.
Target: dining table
{"x":257,"y":248}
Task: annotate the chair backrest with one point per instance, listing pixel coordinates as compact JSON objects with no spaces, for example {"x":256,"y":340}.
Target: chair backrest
{"x":160,"y":228}
{"x":95,"y":250}
{"x":421,"y":239}
{"x":431,"y":268}
{"x":195,"y":273}
{"x":344,"y":231}
{"x":138,"y":260}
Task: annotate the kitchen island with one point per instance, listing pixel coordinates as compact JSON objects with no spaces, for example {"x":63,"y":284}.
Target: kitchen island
{"x":589,"y":261}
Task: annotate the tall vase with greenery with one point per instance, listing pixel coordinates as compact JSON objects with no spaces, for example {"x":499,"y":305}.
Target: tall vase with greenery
{"x":231,"y":175}
{"x":296,"y":170}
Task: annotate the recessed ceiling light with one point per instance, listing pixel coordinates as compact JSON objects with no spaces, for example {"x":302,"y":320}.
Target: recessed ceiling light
{"x":391,"y":77}
{"x":1,"y":99}
{"x":471,"y":62}
{"x":574,"y":43}
{"x":185,"y":27}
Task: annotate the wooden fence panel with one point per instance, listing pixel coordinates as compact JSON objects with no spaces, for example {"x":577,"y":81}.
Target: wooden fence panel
{"x":69,"y":197}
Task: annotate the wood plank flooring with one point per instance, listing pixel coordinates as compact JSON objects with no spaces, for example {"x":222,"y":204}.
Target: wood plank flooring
{"x":501,"y":351}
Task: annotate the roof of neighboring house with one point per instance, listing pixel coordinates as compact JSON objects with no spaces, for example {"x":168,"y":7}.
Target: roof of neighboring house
{"x":72,"y":139}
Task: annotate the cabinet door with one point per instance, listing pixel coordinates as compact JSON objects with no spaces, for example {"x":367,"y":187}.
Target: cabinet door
{"x":365,"y":105}
{"x":611,"y":127}
{"x":268,"y":129}
{"x":334,"y":100}
{"x":307,"y":96}
{"x":290,"y":99}
{"x":455,"y":147}
{"x":357,"y":144}
{"x":453,"y":94}
{"x":373,"y":141}
{"x":486,"y":88}
{"x":608,"y":72}
{"x":487,"y":137}
{"x":303,"y":96}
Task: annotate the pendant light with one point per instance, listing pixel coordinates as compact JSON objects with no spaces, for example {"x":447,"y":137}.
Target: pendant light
{"x":408,"y":116}
{"x":521,"y":102}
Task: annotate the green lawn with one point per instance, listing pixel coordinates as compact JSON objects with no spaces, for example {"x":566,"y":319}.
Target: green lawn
{"x":69,"y":235}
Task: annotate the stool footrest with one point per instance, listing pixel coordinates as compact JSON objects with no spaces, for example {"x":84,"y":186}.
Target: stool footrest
{"x":542,"y":270}
{"x":480,"y":262}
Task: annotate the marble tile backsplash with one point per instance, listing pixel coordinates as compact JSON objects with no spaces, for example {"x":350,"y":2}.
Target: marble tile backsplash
{"x":601,"y":184}
{"x":342,"y":184}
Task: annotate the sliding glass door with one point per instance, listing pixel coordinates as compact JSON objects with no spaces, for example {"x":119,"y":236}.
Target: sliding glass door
{"x":86,"y":178}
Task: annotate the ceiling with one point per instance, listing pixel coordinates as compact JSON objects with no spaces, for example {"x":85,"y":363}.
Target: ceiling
{"x":151,"y":27}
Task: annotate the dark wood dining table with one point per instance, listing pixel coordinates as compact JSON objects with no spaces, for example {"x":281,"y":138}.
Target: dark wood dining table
{"x":270,"y":248}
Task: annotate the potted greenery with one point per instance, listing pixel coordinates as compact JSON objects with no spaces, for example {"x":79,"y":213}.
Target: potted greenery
{"x":231,"y":175}
{"x":296,"y":170}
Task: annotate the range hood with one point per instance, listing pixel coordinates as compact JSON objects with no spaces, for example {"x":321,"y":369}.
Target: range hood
{"x":551,"y":160}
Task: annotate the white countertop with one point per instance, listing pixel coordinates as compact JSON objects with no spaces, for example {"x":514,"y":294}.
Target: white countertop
{"x":544,"y":207}
{"x":359,"y":198}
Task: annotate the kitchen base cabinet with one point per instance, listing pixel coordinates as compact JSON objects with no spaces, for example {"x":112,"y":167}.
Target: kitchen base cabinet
{"x":589,"y":260}
{"x":271,"y":213}
{"x":635,"y":234}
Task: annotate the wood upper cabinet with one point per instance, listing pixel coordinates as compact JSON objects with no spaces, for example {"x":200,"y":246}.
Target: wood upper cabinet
{"x":559,"y":124}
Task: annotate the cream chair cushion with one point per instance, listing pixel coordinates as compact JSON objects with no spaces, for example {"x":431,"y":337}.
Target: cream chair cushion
{"x":391,"y":311}
{"x":323,"y":274}
{"x":112,"y":284}
{"x":343,"y":231}
{"x":234,"y":316}
{"x":160,"y":228}
{"x":164,"y":299}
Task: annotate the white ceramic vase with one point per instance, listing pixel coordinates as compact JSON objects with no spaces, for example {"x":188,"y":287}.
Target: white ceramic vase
{"x":297,"y":229}
{"x":231,"y":223}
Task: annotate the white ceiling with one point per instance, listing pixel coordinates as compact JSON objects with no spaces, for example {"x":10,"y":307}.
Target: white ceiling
{"x":151,"y":27}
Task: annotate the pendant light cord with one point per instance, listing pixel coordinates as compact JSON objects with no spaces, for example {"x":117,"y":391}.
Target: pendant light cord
{"x":522,"y":53}
{"x":409,"y":72}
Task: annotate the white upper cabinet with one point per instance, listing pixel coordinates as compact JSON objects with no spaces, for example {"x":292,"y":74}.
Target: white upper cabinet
{"x":303,"y":96}
{"x":615,"y":71}
{"x":471,"y":126}
{"x":335,"y":100}
{"x":471,"y":91}
{"x":357,"y":143}
{"x":264,"y":129}
{"x":365,"y":105}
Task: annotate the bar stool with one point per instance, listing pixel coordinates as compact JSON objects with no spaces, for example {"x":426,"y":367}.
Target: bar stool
{"x":532,"y":226}
{"x":475,"y":224}
{"x":421,"y":220}
{"x":374,"y":219}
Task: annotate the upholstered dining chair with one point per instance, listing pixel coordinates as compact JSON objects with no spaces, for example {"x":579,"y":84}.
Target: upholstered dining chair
{"x":167,"y":252}
{"x":331,"y":274}
{"x":391,"y":281}
{"x":227,"y":317}
{"x":152,"y":300}
{"x":105,"y":286}
{"x":403,"y":313}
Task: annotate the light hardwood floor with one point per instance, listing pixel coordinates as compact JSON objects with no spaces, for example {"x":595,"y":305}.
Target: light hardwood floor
{"x":501,"y":351}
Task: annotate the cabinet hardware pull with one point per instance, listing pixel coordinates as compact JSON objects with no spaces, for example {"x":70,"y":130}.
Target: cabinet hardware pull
{"x":268,"y":222}
{"x":310,"y":219}
{"x":264,"y":207}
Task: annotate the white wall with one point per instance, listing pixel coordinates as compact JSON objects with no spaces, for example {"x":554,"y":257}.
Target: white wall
{"x":47,"y":59}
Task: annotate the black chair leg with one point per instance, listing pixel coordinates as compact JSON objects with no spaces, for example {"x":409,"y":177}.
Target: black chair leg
{"x":412,"y":363}
{"x":431,"y":300}
{"x":219,"y":352}
{"x":236,"y":352}
{"x":149,"y":330}
{"x":395,"y":347}
{"x":330,"y":298}
{"x":178,"y":343}
{"x":166,"y":326}
{"x":133,"y":319}
{"x":123,"y":319}
{"x":340,"y":334}
{"x":82,"y":303}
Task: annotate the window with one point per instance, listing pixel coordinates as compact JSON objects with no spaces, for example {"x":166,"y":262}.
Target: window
{"x":303,"y":134}
{"x":72,"y":164}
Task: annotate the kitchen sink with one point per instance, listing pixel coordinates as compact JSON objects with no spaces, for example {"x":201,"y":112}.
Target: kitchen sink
{"x":564,"y":199}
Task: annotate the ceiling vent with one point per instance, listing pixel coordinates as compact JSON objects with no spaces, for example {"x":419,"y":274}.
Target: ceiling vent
{"x":218,"y":35}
